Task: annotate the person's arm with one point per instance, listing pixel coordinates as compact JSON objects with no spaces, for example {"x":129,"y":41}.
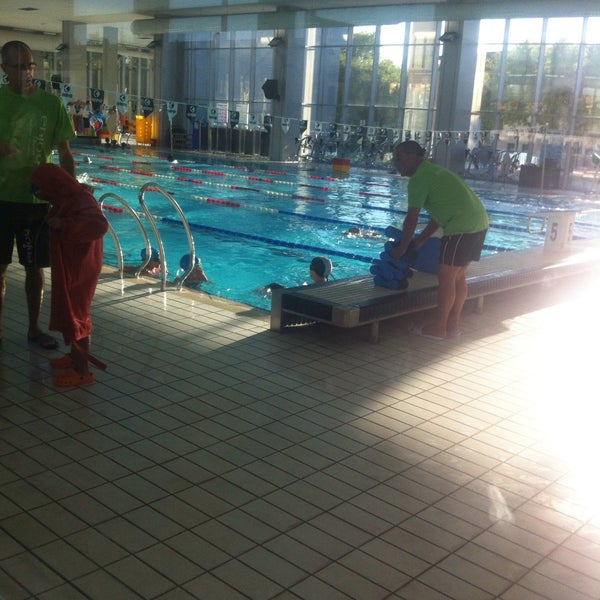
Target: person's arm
{"x":7,"y":150}
{"x":429,"y":230}
{"x":65,"y":157}
{"x":408,"y":230}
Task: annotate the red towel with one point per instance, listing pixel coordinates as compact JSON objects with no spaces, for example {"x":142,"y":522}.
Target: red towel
{"x":76,"y":251}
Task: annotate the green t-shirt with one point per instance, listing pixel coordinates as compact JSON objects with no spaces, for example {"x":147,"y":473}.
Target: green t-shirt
{"x":34,"y":124}
{"x":447,"y":198}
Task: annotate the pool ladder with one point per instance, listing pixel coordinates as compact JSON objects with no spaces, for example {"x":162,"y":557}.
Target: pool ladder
{"x":152,"y":220}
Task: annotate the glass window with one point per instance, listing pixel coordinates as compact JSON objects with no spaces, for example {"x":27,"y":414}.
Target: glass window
{"x":390,"y":65}
{"x":222,"y":39}
{"x":589,"y":101}
{"x":561,"y":31}
{"x":95,"y":69}
{"x":388,"y":81}
{"x":198,"y":68}
{"x":385,"y":117}
{"x":558,"y":84}
{"x":518,"y":95}
{"x":357,"y":115}
{"x":521,"y":31}
{"x":241,"y":75}
{"x":488,"y":71}
{"x":392,"y":35}
{"x":264,"y":71}
{"x":243,"y":39}
{"x":421,"y":53}
{"x":331,"y":59}
{"x":415,"y":120}
{"x":363,"y":35}
{"x":593,"y":27}
{"x":221,"y":62}
{"x":335,"y":36}
{"x":361,"y":69}
{"x":491,"y":31}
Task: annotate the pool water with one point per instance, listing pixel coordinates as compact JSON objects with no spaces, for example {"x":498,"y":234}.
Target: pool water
{"x":254,"y":224}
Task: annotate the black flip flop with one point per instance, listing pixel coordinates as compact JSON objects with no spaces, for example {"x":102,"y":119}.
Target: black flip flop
{"x":44,"y":341}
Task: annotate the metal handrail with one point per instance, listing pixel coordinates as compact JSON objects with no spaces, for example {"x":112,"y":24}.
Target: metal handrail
{"x":152,"y":220}
{"x":113,"y":233}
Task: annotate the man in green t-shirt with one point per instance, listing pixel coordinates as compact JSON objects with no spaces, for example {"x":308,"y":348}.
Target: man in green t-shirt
{"x":32,"y":123}
{"x":454,"y":207}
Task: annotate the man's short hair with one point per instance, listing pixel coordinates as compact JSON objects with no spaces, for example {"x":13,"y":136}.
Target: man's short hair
{"x":410,"y":147}
{"x":16,"y":44}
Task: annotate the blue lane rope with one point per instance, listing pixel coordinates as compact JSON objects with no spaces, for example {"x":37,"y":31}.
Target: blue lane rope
{"x":260,"y":238}
{"x":364,"y":205}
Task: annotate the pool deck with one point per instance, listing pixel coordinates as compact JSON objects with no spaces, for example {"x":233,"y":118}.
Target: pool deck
{"x":217,"y":459}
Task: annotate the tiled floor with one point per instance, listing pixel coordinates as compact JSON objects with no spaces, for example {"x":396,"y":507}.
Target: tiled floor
{"x":218,"y":460}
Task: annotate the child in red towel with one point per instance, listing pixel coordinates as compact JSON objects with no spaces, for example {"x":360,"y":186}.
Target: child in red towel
{"x":77,"y":227}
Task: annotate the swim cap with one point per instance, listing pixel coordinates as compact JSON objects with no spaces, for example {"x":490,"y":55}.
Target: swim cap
{"x":322,"y":266}
{"x":154,"y":255}
{"x":184,"y":262}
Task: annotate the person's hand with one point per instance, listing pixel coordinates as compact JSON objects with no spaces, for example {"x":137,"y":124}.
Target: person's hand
{"x":7,"y":149}
{"x":396,"y":253}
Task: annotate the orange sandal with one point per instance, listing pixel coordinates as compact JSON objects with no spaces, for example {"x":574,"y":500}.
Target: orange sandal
{"x":72,"y":377}
{"x":64,"y":362}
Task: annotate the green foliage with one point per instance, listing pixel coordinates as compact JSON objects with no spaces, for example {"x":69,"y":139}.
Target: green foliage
{"x":361,"y":72}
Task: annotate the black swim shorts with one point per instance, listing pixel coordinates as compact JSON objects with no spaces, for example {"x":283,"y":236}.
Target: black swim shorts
{"x":459,"y":250}
{"x":27,"y":224}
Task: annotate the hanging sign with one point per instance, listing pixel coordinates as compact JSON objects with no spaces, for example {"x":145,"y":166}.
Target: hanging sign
{"x":97,"y":98}
{"x":147,"y":106}
{"x":66,"y":93}
{"x":234,"y":118}
{"x":285,"y":124}
{"x":121,"y":103}
{"x":268,"y":122}
{"x":191,"y":111}
{"x":213,"y":116}
{"x":171,"y":110}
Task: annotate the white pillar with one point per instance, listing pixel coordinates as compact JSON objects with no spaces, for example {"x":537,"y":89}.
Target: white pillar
{"x":75,"y":58}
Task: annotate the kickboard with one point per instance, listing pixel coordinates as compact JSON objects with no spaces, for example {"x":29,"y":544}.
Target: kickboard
{"x":427,"y":256}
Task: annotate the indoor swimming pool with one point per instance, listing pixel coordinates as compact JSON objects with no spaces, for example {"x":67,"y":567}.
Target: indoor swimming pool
{"x":258,"y":223}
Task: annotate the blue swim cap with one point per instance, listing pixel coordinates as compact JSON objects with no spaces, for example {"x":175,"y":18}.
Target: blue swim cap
{"x":154,"y":255}
{"x":184,"y":262}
